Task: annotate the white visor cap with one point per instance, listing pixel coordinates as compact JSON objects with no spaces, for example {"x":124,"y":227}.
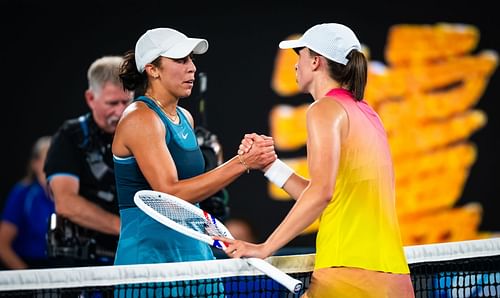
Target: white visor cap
{"x":331,"y":40}
{"x":168,"y":43}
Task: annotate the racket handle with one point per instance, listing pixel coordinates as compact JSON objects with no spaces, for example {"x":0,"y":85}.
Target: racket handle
{"x":292,"y":284}
{"x":220,"y":244}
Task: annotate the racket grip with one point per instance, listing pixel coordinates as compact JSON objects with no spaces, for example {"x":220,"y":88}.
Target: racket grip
{"x":220,"y":244}
{"x":292,"y":284}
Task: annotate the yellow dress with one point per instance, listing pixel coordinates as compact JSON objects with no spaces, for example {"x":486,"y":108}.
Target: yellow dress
{"x":358,"y":246}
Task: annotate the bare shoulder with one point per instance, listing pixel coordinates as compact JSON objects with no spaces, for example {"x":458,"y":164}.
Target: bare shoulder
{"x":138,"y":114}
{"x":138,"y":123}
{"x":328,"y":114}
{"x":326,"y":107}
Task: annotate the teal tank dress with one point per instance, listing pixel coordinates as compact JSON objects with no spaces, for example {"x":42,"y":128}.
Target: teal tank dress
{"x":143,"y":240}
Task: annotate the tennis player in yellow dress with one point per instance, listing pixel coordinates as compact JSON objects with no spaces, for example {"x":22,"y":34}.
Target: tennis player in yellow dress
{"x":359,"y":252}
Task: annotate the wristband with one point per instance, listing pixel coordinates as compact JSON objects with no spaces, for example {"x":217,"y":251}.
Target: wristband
{"x":278,"y":173}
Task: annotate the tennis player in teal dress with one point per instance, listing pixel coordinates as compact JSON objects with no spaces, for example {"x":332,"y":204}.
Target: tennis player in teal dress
{"x":155,"y":148}
{"x":144,"y":240}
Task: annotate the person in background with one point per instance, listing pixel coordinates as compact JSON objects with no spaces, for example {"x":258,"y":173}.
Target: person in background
{"x":359,"y":252}
{"x":79,"y":169}
{"x":24,"y":222}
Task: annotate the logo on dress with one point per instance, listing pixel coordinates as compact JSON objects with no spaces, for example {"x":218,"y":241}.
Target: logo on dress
{"x":184,"y":135}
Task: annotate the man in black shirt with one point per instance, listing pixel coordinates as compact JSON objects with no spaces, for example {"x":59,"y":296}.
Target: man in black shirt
{"x":79,"y":169}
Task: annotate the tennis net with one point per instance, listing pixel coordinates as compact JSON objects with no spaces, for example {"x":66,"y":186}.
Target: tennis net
{"x":454,"y":269}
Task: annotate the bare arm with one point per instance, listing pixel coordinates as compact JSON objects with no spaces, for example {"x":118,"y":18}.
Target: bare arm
{"x":142,"y":134}
{"x":79,"y":210}
{"x":325,"y":125}
{"x":8,"y":232}
{"x":295,"y":185}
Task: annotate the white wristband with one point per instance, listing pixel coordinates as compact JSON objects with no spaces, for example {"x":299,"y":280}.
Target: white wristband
{"x":278,"y":173}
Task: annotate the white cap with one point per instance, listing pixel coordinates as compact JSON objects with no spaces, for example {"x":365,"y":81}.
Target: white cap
{"x":168,"y":43}
{"x":331,"y":40}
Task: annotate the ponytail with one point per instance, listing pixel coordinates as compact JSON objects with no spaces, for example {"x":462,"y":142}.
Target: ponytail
{"x":353,"y":75}
{"x":131,"y":78}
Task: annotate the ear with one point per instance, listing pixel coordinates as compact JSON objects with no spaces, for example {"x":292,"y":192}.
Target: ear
{"x":151,"y":70}
{"x":89,"y":98}
{"x":315,"y":62}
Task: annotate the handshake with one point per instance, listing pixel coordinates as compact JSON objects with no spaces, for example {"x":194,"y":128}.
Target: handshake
{"x":257,"y":152}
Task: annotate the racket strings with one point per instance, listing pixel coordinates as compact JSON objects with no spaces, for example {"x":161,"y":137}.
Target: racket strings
{"x":183,"y":216}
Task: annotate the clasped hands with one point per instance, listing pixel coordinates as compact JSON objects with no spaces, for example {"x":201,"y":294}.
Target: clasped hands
{"x":257,"y":151}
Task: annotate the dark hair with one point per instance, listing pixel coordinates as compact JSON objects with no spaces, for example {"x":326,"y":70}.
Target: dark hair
{"x":129,"y":75}
{"x":131,"y":78}
{"x":353,"y":75}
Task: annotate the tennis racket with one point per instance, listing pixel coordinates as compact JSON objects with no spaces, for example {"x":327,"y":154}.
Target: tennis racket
{"x":196,"y":223}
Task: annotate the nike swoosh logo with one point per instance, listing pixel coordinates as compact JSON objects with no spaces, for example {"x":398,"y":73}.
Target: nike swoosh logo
{"x":184,"y":136}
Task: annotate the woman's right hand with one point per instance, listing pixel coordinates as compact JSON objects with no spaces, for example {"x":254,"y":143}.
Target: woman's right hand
{"x":257,"y":151}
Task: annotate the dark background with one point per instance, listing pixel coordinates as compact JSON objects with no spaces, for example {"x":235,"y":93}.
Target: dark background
{"x":47,"y":48}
